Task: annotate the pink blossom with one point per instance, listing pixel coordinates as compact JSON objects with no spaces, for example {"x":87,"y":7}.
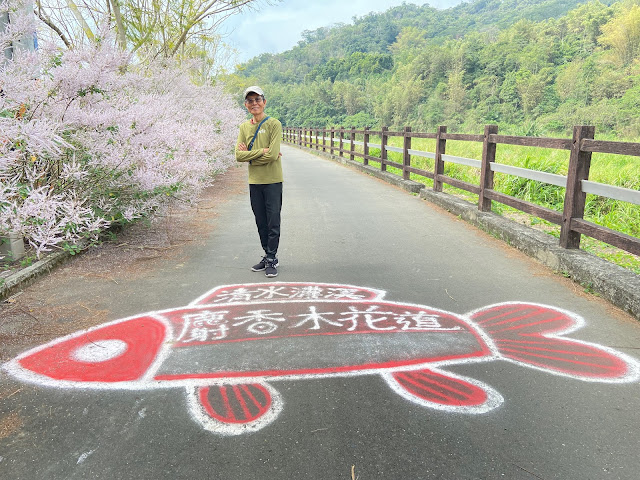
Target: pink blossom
{"x":92,"y":138}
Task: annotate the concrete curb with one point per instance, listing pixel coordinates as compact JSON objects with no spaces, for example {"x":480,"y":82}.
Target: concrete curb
{"x":27,"y":276}
{"x":619,"y":286}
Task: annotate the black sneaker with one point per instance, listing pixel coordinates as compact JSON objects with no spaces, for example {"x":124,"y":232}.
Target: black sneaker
{"x":258,"y":267}
{"x":270,"y":268}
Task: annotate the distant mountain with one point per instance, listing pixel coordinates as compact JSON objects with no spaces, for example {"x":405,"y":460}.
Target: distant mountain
{"x":529,"y":66}
{"x":376,"y":32}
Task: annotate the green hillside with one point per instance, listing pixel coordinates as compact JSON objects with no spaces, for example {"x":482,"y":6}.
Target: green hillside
{"x":530,"y":66}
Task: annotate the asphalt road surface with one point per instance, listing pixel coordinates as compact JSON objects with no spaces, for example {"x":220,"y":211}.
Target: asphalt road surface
{"x":397,"y":342}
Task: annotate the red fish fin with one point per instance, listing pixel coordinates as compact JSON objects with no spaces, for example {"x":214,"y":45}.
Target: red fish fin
{"x":444,"y":391}
{"x":529,"y":334}
{"x":233,"y":409}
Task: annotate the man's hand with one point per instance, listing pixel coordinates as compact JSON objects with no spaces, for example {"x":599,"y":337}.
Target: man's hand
{"x":243,"y":148}
{"x":266,"y":150}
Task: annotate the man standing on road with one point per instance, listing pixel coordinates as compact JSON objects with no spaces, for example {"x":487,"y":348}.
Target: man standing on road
{"x":259,"y":145}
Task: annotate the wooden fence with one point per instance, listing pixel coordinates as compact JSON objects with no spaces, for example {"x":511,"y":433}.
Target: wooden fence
{"x":572,"y":224}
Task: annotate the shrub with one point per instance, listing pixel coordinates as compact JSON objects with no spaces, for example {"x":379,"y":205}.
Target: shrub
{"x":88,"y":139}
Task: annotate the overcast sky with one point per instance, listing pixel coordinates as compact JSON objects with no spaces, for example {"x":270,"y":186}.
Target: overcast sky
{"x":278,"y":27}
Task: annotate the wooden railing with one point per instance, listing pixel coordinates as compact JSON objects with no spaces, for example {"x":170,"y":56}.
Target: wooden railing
{"x":343,"y":141}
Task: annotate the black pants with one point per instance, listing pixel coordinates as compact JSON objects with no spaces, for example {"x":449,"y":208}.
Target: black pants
{"x":266,"y":203}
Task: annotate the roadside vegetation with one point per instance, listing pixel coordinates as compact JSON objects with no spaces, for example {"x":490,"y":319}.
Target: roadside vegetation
{"x":110,"y":118}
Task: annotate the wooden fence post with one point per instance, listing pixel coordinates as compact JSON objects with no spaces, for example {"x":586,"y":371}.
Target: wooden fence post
{"x":574,"y":197}
{"x":366,"y":145}
{"x":352,"y":139}
{"x":324,"y":139}
{"x":300,"y":136}
{"x":486,"y":174}
{"x":406,"y":158}
{"x":438,"y":168}
{"x":383,"y":150}
{"x":341,"y":140}
{"x":331,"y":138}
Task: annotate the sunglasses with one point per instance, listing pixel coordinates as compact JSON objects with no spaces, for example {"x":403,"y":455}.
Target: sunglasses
{"x":250,"y":101}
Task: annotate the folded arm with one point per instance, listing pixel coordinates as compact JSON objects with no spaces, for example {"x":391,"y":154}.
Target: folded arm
{"x":244,"y":155}
{"x":260,"y":156}
{"x":271,"y":153}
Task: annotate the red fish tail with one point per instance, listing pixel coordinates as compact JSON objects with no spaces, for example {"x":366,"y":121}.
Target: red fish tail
{"x":529,"y":334}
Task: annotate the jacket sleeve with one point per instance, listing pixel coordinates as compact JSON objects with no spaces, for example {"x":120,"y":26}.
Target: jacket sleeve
{"x":252,"y":156}
{"x":275,"y":137}
{"x":245,"y":156}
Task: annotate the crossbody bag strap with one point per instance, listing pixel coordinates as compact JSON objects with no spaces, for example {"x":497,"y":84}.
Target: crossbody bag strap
{"x":256,"y":134}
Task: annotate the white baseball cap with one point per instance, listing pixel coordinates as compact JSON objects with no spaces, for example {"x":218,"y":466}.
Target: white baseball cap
{"x":254,"y":89}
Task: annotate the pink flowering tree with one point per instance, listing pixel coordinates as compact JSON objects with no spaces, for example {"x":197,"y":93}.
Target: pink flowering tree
{"x":88,"y":139}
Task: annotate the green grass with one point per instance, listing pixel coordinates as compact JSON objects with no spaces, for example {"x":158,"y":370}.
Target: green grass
{"x":610,"y":169}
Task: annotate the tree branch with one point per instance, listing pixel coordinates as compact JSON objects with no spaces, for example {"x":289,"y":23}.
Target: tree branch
{"x":47,"y":21}
{"x":204,"y":13}
{"x":83,"y":23}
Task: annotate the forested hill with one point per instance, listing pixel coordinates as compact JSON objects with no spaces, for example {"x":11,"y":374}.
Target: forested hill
{"x":376,"y":32}
{"x":546,"y":65}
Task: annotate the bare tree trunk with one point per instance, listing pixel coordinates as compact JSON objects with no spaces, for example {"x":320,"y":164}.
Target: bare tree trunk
{"x":122,"y":33}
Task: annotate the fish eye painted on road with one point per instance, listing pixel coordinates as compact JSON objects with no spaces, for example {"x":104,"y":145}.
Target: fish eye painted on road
{"x":230,"y":345}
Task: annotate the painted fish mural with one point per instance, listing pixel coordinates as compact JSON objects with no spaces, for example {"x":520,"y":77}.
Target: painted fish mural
{"x":228,"y":347}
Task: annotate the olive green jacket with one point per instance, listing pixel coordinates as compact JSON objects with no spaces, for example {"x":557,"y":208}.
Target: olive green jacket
{"x":263,"y":167}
